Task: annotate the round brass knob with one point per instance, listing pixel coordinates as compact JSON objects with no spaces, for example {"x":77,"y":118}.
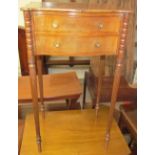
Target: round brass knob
{"x":100,"y":26}
{"x":97,"y":45}
{"x":55,"y":25}
{"x":57,"y":44}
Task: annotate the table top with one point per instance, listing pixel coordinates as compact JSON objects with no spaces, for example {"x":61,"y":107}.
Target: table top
{"x":73,"y":132}
{"x":85,"y":5}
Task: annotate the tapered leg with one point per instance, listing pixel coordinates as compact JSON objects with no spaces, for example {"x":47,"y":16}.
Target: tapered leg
{"x":32,"y":72}
{"x":33,"y":81}
{"x":117,"y":75}
{"x":100,"y":82}
{"x":40,"y":80}
{"x":113,"y":100}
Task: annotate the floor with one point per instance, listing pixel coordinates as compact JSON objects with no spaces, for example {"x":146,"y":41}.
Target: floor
{"x":73,"y":132}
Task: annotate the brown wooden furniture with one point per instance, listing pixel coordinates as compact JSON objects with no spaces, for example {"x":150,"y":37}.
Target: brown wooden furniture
{"x":74,"y":29}
{"x":22,"y":51}
{"x":56,"y":86}
{"x":128,"y":70}
{"x":62,"y":134}
{"x":125,"y":92}
{"x":71,"y":62}
{"x":128,"y":121}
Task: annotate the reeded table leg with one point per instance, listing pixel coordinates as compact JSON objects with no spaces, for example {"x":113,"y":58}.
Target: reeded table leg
{"x":100,"y":82}
{"x":40,"y":79}
{"x":117,"y":74}
{"x":33,"y":78}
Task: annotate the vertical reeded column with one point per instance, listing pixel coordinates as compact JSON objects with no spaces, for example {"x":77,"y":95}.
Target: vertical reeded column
{"x":32,"y":72}
{"x":100,"y":82}
{"x":117,"y":75}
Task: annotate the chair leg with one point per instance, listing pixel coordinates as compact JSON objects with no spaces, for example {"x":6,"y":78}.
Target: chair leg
{"x":40,"y":79}
{"x":120,"y":121}
{"x":84,"y":90}
{"x":73,"y":103}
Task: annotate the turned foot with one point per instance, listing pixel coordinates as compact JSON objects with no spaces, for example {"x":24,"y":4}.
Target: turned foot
{"x":39,"y":144}
{"x":97,"y":108}
{"x":107,"y":137}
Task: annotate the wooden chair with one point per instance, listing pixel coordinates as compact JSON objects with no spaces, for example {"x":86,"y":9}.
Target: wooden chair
{"x":74,"y":30}
{"x":64,"y":86}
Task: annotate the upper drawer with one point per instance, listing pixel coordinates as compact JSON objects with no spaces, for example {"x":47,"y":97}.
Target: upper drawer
{"x":52,"y":23}
{"x":61,"y":45}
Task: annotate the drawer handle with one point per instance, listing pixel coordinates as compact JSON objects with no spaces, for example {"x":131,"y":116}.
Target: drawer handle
{"x":100,"y":26}
{"x":55,"y":25}
{"x":57,"y":45}
{"x":97,"y":45}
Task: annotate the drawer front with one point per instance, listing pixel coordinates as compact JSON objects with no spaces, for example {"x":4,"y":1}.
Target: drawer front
{"x":77,"y":24}
{"x":75,"y":46}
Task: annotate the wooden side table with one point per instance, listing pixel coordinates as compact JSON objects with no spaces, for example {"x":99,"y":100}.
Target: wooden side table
{"x":75,"y":29}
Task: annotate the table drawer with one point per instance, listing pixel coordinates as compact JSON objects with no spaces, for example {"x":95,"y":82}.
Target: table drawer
{"x":77,"y":24}
{"x":75,"y":46}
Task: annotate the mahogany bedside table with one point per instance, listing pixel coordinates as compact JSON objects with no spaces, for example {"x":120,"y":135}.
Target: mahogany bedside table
{"x":75,"y":29}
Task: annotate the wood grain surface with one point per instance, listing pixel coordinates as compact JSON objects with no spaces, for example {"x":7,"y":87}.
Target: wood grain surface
{"x":73,"y":132}
{"x":71,"y":41}
{"x":56,"y":86}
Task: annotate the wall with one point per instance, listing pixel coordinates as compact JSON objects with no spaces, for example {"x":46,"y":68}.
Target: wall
{"x":22,"y":3}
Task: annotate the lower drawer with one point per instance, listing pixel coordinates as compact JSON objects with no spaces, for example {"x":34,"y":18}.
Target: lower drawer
{"x":75,"y":46}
